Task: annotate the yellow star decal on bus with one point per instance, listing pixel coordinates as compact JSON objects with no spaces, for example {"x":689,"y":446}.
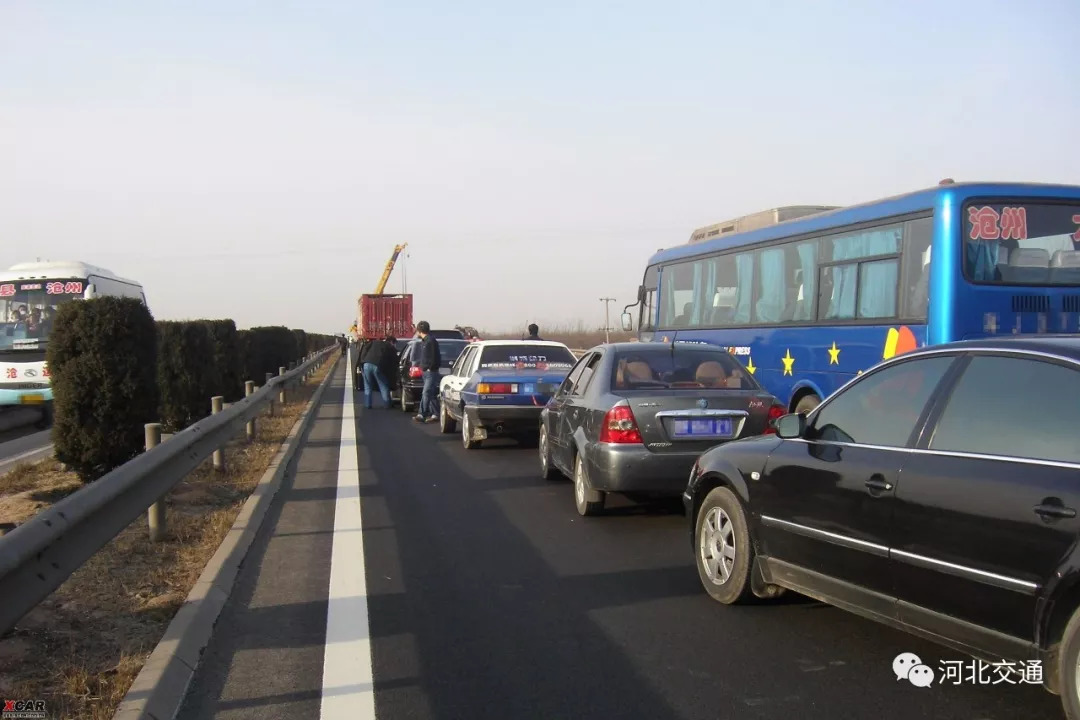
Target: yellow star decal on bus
{"x":750,"y":365}
{"x":788,"y":362}
{"x":834,"y":354}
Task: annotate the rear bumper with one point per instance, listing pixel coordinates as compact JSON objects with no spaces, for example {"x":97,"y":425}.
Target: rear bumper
{"x":633,"y":469}
{"x":413,"y":387}
{"x":514,"y":418}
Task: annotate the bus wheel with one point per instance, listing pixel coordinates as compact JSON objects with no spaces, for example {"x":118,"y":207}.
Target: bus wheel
{"x":807,"y":403}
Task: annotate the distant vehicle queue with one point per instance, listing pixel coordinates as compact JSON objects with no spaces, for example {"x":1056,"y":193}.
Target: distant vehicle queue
{"x":842,"y":417}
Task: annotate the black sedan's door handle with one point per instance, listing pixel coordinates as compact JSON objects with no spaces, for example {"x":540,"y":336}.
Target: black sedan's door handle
{"x":1053,"y":508}
{"x":878,"y":484}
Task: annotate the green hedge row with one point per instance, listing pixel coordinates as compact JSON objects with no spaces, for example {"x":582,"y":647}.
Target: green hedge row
{"x":114,"y":369}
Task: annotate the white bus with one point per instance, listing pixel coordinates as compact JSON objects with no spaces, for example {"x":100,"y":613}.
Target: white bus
{"x":29,"y":296}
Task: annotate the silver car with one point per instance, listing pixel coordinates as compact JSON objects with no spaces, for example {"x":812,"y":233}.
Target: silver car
{"x":632,"y":418}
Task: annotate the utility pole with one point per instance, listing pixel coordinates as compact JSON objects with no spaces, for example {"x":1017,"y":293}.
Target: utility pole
{"x":607,"y":325}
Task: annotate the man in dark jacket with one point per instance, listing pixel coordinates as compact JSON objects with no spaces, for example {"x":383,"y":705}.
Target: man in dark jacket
{"x":534,"y":332}
{"x":374,"y":357}
{"x":430,"y":360}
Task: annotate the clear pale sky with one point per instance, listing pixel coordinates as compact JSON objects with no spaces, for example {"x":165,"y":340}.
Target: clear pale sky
{"x":260,"y":160}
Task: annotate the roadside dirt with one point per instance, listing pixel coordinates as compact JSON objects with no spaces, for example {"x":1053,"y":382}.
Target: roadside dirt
{"x":82,"y":647}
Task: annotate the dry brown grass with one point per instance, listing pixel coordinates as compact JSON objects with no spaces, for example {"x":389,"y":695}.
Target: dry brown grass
{"x":573,"y":335}
{"x":30,"y":487}
{"x":20,"y":478}
{"x":82,"y":647}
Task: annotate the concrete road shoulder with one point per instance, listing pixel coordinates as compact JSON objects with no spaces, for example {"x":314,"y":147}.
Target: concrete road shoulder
{"x":159,"y":689}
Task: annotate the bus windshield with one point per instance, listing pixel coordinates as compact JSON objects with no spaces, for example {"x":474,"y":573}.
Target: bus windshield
{"x":1018,"y":243}
{"x":28,"y":307}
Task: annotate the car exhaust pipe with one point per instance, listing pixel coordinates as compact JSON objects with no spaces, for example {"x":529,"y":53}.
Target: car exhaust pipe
{"x":499,"y":427}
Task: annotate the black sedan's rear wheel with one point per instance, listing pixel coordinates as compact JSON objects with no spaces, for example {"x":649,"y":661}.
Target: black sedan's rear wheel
{"x":724,"y":553}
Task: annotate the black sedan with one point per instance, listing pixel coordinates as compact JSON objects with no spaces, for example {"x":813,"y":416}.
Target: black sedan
{"x":937,"y":493}
{"x":632,"y":418}
{"x":410,"y":378}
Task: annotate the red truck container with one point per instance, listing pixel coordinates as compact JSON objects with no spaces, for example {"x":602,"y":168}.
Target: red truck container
{"x":377,"y":315}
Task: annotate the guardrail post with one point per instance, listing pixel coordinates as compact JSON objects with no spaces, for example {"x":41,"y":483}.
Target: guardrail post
{"x":156,"y":513}
{"x":249,"y":390}
{"x":269,"y":377}
{"x":217,"y":404}
{"x":281,"y":394}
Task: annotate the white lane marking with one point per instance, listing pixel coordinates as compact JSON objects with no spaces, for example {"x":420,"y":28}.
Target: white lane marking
{"x":16,"y":458}
{"x":348,"y":691}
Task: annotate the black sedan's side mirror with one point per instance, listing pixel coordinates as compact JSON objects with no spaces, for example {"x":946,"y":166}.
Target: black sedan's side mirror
{"x":791,"y":426}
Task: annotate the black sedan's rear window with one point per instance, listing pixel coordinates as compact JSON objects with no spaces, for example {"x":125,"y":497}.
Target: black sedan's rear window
{"x":680,"y":368}
{"x":448,"y":351}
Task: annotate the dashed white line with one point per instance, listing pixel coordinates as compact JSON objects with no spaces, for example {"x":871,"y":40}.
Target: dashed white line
{"x":348,"y":691}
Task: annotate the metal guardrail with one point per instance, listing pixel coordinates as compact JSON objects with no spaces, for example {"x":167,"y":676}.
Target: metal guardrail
{"x":39,"y":555}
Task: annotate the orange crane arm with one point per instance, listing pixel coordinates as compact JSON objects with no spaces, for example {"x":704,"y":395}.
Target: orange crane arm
{"x":389,"y":269}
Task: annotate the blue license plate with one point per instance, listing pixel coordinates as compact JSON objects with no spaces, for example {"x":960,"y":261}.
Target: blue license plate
{"x":703,"y":428}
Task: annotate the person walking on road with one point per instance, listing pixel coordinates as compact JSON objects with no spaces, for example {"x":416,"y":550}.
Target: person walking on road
{"x":374,"y":357}
{"x":534,"y":333}
{"x":430,"y":360}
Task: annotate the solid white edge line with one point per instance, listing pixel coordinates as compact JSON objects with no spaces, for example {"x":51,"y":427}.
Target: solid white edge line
{"x":348,"y":691}
{"x":28,"y":453}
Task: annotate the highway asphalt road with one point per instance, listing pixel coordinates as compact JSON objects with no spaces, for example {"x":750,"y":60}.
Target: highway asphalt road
{"x":20,"y":441}
{"x":487,"y":596}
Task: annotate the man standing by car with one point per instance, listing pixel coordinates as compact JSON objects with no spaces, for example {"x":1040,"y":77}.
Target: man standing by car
{"x":534,"y":333}
{"x":430,"y":360}
{"x":374,"y":357}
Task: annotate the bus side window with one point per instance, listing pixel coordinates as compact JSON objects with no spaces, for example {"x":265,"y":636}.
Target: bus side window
{"x":648,"y":303}
{"x":829,"y":303}
{"x":744,"y":271}
{"x":770,"y":296}
{"x":804,"y":280}
{"x":677,"y":301}
{"x":782,"y":295}
{"x":648,"y":309}
{"x":870,"y":285}
{"x":916,"y":272}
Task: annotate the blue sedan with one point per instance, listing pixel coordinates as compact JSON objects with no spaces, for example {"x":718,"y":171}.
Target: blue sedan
{"x":500,"y":387}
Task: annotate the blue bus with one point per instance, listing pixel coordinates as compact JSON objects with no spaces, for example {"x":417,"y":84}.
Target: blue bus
{"x":810,"y":302}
